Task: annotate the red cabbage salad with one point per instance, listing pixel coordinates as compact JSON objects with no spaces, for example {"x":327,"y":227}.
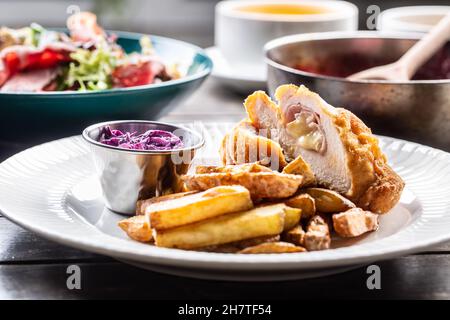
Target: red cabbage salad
{"x":149,"y":140}
{"x":86,"y":59}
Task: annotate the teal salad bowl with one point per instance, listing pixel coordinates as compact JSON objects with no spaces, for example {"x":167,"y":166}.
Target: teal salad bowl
{"x":31,"y":117}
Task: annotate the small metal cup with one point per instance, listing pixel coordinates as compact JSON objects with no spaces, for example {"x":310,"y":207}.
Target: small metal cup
{"x":127,"y":176}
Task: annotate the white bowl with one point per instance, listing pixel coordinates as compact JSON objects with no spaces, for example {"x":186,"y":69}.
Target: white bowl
{"x":240,"y":36}
{"x":411,"y":19}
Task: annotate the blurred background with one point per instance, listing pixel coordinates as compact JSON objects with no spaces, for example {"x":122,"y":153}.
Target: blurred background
{"x":193,"y":21}
{"x":190,"y":20}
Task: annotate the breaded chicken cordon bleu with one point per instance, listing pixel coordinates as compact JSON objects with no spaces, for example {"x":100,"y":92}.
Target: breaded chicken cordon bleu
{"x":300,"y":133}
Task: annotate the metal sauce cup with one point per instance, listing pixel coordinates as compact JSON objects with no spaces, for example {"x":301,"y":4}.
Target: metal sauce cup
{"x":127,"y":176}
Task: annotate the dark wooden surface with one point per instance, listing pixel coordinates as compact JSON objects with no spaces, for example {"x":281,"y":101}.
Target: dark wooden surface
{"x":32,"y":267}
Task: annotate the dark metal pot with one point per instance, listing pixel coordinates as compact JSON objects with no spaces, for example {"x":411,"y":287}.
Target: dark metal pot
{"x":417,"y":110}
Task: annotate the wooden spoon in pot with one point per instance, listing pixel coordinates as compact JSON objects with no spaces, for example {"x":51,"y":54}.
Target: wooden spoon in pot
{"x":404,"y":68}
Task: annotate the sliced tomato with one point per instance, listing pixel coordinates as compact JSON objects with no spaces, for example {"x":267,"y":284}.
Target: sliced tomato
{"x":11,"y":65}
{"x":46,"y":59}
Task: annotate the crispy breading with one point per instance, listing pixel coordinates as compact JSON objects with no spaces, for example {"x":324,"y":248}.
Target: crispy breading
{"x":246,"y":144}
{"x":375,"y":186}
{"x":354,"y":222}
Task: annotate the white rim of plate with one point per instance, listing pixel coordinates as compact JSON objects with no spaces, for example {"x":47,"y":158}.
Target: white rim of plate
{"x":20,"y":199}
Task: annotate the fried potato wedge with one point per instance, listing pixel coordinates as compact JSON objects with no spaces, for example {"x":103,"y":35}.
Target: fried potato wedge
{"x":317,"y":235}
{"x":239,"y":168}
{"x":354,"y":222}
{"x":234,"y":247}
{"x":199,"y":206}
{"x":258,"y":222}
{"x":255,"y":241}
{"x":292,"y":217}
{"x":296,"y":236}
{"x":304,"y":202}
{"x":328,"y":201}
{"x":142,"y":204}
{"x":273,"y":247}
{"x":137,"y":228}
{"x":221,"y":248}
{"x":299,"y":166}
{"x":261,"y":184}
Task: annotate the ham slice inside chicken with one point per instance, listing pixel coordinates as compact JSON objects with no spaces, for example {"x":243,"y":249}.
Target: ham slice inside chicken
{"x":304,"y":125}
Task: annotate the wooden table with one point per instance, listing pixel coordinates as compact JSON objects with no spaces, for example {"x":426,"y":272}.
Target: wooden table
{"x":32,"y":267}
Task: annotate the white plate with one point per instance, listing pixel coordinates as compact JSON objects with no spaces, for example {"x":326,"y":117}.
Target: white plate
{"x":51,"y":189}
{"x":243,"y":79}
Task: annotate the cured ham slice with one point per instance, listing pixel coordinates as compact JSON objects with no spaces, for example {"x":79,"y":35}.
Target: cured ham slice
{"x":30,"y":81}
{"x":18,"y":58}
{"x":137,"y":73}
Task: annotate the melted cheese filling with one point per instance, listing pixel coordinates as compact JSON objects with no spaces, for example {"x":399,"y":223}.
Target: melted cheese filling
{"x":306,"y":129}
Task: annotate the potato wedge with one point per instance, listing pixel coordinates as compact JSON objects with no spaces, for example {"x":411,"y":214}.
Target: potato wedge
{"x":354,"y":222}
{"x":304,"y":202}
{"x":137,"y":228}
{"x":292,"y":217}
{"x":317,"y":235}
{"x":141,"y":205}
{"x":299,"y":166}
{"x":221,"y":248}
{"x":273,"y":247}
{"x":199,"y":206}
{"x":262,"y":184}
{"x":328,"y":201}
{"x":296,"y":236}
{"x":234,"y":247}
{"x":255,"y":241}
{"x":238,"y":168}
{"x":258,"y":222}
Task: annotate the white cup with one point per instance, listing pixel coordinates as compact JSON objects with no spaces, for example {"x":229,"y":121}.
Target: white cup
{"x":241,"y":35}
{"x":411,"y":19}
